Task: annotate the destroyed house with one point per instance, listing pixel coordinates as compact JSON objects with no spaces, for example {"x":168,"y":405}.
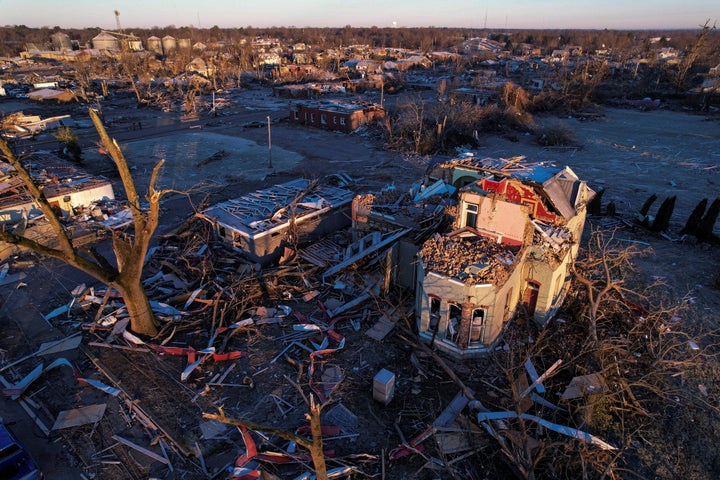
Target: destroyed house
{"x":515,"y":236}
{"x":66,"y":188}
{"x":418,"y":213}
{"x":342,"y":117}
{"x":260,"y":224}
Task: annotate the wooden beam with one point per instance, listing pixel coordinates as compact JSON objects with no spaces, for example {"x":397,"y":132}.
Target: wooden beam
{"x":153,"y":455}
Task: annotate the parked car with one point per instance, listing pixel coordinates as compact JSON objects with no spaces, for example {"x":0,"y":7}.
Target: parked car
{"x":15,"y":462}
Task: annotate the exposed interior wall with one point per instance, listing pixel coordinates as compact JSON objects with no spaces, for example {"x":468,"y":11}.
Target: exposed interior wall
{"x":495,"y":216}
{"x":84,"y":197}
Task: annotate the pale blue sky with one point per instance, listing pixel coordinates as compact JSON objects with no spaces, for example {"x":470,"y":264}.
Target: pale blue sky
{"x":498,"y":14}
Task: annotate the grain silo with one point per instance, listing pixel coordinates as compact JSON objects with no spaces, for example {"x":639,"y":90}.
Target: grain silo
{"x":154,"y":44}
{"x":105,"y":41}
{"x":169,"y":44}
{"x":61,"y":42}
{"x":184,"y":43}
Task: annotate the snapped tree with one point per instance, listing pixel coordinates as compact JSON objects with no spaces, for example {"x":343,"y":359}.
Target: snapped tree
{"x":129,"y":250}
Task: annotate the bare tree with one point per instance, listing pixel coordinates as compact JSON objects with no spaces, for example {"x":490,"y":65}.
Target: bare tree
{"x":601,"y":272}
{"x":315,"y":445}
{"x":693,"y":53}
{"x":129,"y":250}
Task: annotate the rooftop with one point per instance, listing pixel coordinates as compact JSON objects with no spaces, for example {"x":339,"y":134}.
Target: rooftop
{"x":515,"y":167}
{"x":262,"y":210}
{"x":340,"y":106}
{"x":53,"y":175}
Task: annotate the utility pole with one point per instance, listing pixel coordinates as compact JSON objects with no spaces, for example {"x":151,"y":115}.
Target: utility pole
{"x":269,"y":144}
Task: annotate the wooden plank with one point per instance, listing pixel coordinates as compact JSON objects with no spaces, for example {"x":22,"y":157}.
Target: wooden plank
{"x":181,"y":448}
{"x":142,"y":450}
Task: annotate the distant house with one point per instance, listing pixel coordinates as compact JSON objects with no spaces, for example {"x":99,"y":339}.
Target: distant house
{"x":66,"y":188}
{"x":479,"y":45}
{"x":412,"y":61}
{"x":667,"y":53}
{"x":261,"y":224}
{"x":342,"y":117}
{"x":268,"y":58}
{"x":515,"y":236}
{"x":200,"y":66}
{"x":362,"y":66}
{"x":558,"y":55}
{"x":474,"y":96}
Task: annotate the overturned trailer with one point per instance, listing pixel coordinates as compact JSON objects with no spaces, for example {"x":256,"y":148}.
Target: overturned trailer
{"x":260,"y":224}
{"x":516,"y":234}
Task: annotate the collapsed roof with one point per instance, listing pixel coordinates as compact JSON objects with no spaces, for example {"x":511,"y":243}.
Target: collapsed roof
{"x":261,"y":211}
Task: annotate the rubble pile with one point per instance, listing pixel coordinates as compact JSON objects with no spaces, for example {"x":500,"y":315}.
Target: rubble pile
{"x":233,"y":336}
{"x":471,"y":259}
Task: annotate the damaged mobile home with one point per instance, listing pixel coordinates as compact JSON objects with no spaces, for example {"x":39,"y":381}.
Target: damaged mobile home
{"x":515,"y":235}
{"x":261,"y":224}
{"x":67,"y":189}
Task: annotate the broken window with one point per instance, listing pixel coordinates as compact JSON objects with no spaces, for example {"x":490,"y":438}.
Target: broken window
{"x":471,"y":213}
{"x":323,"y":119}
{"x":454,"y":317}
{"x":312,"y":118}
{"x":342,"y":121}
{"x":476,"y":327}
{"x":335,"y":119}
{"x":531,"y":296}
{"x":296,"y":115}
{"x":434,"y":313}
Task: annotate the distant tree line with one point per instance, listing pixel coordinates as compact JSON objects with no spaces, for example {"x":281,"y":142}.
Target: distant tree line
{"x":14,"y":38}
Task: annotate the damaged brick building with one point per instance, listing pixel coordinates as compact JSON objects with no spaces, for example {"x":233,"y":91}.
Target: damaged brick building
{"x":514,"y":237}
{"x":339,"y":116}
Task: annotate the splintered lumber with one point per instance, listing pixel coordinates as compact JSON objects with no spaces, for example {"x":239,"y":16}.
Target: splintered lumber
{"x":135,"y":446}
{"x":63,"y":344}
{"x":134,"y":405}
{"x":41,"y":425}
